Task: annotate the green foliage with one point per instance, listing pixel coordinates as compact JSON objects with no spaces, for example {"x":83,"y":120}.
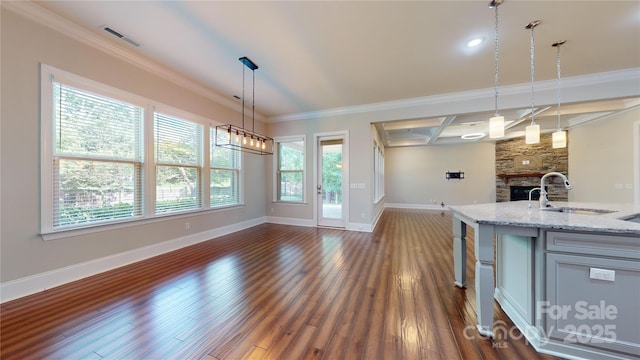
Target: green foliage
{"x":70,"y":215}
{"x":291,"y":155}
{"x":332,"y":172}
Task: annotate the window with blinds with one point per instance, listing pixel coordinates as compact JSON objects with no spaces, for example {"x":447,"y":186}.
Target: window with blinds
{"x":108,"y":159}
{"x":290,"y":164}
{"x":97,"y":158}
{"x":178,"y":159}
{"x":224,"y":173}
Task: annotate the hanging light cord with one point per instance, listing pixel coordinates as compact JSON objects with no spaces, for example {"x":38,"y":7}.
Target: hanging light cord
{"x":532,"y":78}
{"x":531,"y":26}
{"x":496,"y":62}
{"x":557,"y":45}
{"x":253,"y":103}
{"x":243,"y":96}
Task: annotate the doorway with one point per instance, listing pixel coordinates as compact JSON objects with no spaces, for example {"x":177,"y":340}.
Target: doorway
{"x":331,"y":170}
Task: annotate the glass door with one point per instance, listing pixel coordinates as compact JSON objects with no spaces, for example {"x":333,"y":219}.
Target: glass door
{"x":330,"y":184}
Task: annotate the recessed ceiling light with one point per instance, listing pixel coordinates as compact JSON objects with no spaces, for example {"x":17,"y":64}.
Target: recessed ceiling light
{"x":473,"y":136}
{"x":475,"y":42}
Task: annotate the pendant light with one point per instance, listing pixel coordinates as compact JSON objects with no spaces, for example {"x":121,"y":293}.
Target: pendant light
{"x":532,"y":132}
{"x":496,"y":123}
{"x":559,"y":137}
{"x":243,"y":139}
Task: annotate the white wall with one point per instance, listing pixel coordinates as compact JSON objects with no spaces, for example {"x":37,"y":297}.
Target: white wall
{"x":601,"y":159}
{"x":415,"y":176}
{"x":24,"y":254}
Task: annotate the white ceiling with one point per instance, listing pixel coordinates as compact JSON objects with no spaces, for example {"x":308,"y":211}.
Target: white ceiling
{"x":321,"y":55}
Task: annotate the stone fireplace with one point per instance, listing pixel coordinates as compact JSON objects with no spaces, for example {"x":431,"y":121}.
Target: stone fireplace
{"x":522,"y":165}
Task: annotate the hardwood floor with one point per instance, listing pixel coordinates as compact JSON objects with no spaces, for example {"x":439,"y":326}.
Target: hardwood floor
{"x":271,"y":292}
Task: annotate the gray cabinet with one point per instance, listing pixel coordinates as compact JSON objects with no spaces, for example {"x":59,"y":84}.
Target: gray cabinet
{"x":592,"y":292}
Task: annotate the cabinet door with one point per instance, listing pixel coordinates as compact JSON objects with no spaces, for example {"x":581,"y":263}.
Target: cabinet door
{"x":514,"y":276}
{"x":595,"y":312}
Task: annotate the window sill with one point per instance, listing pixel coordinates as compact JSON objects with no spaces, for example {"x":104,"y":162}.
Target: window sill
{"x":95,"y":228}
{"x":290,"y":202}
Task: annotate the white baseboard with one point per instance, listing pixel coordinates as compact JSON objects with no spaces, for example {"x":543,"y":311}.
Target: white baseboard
{"x":290,"y":221}
{"x":18,"y":288}
{"x":14,"y":289}
{"x":416,"y":206}
{"x":362,"y":227}
{"x":377,"y":218}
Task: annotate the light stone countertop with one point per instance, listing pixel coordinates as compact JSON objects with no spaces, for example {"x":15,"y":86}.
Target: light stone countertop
{"x":517,"y":213}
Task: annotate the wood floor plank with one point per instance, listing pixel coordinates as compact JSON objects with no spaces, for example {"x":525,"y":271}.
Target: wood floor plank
{"x":271,"y":292}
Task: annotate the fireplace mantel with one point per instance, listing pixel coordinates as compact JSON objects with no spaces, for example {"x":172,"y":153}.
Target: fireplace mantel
{"x":520,"y":175}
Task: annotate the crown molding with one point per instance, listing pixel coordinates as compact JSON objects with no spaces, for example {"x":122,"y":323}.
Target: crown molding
{"x":613,"y":80}
{"x":577,"y":82}
{"x":85,"y":36}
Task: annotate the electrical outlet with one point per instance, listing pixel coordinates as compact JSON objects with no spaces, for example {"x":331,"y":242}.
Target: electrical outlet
{"x":187,"y":226}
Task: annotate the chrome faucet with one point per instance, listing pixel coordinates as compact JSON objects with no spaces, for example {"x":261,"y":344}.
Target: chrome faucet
{"x":531,"y":191}
{"x":544,"y":201}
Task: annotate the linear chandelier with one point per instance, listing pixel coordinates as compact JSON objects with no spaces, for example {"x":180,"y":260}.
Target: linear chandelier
{"x":243,"y":139}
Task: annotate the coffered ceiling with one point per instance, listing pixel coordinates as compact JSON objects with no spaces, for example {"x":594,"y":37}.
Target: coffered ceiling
{"x":331,"y":57}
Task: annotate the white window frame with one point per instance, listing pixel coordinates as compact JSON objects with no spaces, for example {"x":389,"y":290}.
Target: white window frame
{"x":49,"y":75}
{"x":378,"y":172}
{"x":198,"y":165}
{"x":276,"y":167}
{"x":48,"y":231}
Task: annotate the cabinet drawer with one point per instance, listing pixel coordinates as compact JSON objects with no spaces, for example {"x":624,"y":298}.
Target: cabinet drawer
{"x":595,"y":312}
{"x":594,"y":244}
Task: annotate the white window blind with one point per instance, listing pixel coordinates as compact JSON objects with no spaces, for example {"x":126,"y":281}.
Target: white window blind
{"x":224,"y":174}
{"x":97,"y":158}
{"x":178,"y":158}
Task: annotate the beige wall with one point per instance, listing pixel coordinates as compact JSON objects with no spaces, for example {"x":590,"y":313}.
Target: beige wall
{"x":601,"y":161}
{"x":416,"y":175}
{"x":360,"y":167}
{"x":25,"y":45}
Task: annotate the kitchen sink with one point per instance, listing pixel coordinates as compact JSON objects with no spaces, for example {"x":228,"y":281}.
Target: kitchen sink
{"x":580,"y":211}
{"x":633,"y":218}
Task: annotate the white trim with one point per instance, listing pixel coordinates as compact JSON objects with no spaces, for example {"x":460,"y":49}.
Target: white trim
{"x":276,"y":168}
{"x":598,"y":86}
{"x":290,"y":221}
{"x":14,"y":289}
{"x":49,"y":75}
{"x":361,"y":227}
{"x":636,"y":163}
{"x":344,"y":135}
{"x":416,"y":206}
{"x":606,"y":85}
{"x":374,"y":223}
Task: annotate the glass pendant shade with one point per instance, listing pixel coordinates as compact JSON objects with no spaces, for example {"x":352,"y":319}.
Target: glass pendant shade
{"x":532,"y":134}
{"x":496,"y":127}
{"x":559,"y":139}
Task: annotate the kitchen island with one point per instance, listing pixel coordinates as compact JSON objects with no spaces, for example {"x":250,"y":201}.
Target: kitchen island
{"x":567,"y":276}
